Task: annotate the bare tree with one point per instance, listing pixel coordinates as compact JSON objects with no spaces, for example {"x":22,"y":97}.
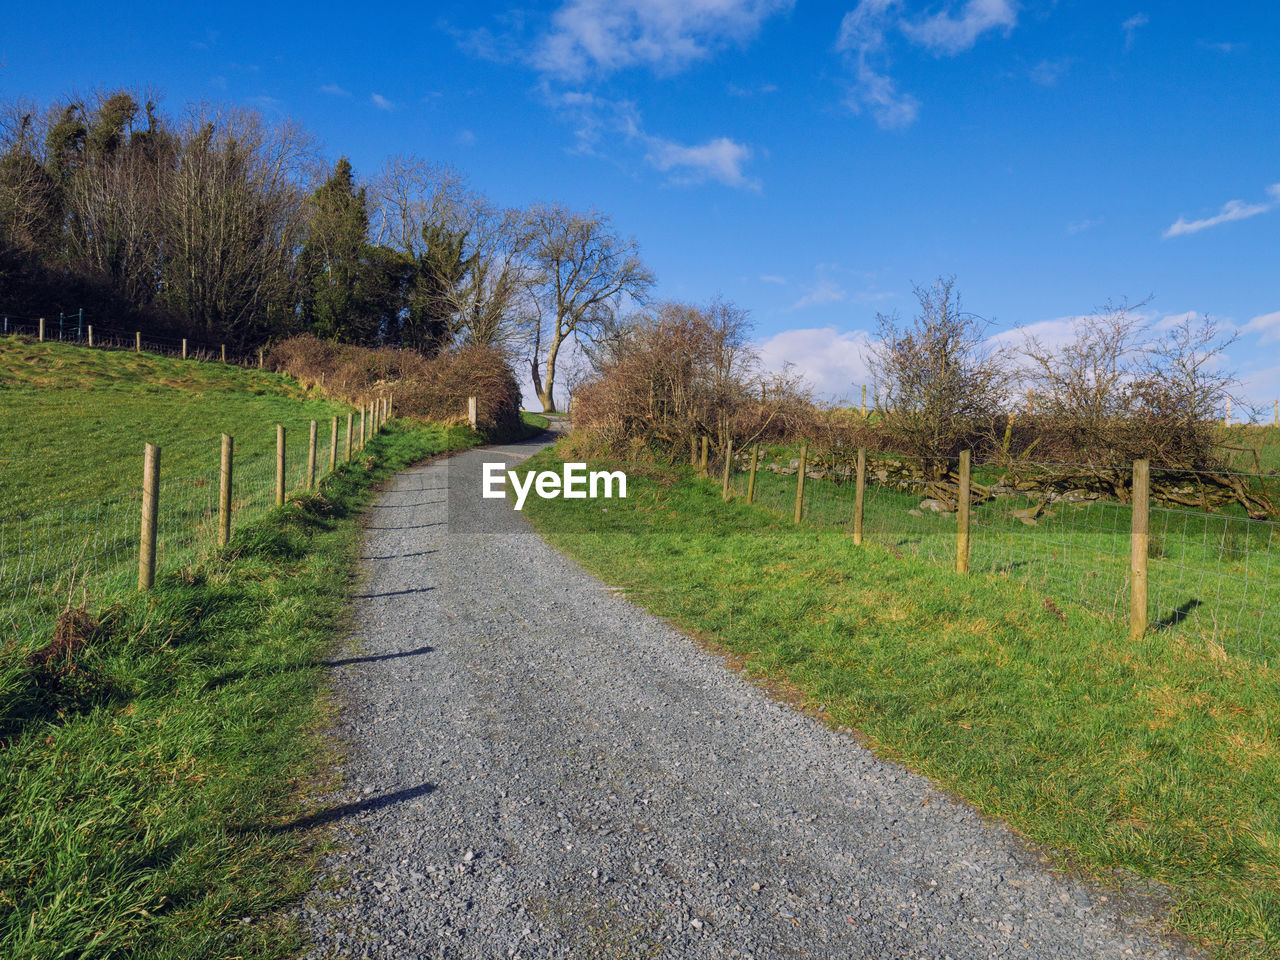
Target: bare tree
{"x":232,"y":219}
{"x":939,"y":379}
{"x":582,"y":272}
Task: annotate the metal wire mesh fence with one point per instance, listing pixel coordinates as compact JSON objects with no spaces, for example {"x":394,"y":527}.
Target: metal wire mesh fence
{"x":1210,"y":575}
{"x":55,"y":549}
{"x":75,"y":329}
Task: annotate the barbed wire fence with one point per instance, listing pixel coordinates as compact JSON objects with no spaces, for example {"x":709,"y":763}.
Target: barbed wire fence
{"x":56,"y":550}
{"x":1213,"y":576}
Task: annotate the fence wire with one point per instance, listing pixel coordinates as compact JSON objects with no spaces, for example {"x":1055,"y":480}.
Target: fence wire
{"x":1214,"y":576}
{"x":55,"y":549}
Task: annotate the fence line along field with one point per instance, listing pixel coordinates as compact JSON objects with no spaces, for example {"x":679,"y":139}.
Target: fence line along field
{"x":1211,"y":575}
{"x":71,"y":466}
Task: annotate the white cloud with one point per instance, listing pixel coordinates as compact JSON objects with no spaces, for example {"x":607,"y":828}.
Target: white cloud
{"x":721,"y":159}
{"x":1267,"y":326}
{"x":333,"y":90}
{"x":832,"y":361}
{"x":773,"y":278}
{"x":1047,"y":73}
{"x":606,"y":36}
{"x":824,"y":291}
{"x":1080,"y":226}
{"x":948,"y":34}
{"x":863,"y":38}
{"x":1231,"y":211}
{"x":381,"y":102}
{"x":465,"y":138}
{"x":1132,"y":26}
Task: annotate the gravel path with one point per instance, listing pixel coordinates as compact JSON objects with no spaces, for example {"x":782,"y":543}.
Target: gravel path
{"x":539,"y":769}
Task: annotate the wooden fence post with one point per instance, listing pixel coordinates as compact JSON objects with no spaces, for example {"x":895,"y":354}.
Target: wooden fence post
{"x":40,"y":335}
{"x":224,"y":353}
{"x":224,"y":490}
{"x":350,"y":415}
{"x":137,"y":341}
{"x":333,"y":447}
{"x":311,"y":458}
{"x":962,"y":515}
{"x":361,"y":447}
{"x":751,"y":477}
{"x":1139,"y":539}
{"x":804,"y":459}
{"x":279,"y":464}
{"x":91,"y":334}
{"x":702,"y":463}
{"x":728,"y":463}
{"x":184,"y":348}
{"x":259,"y":358}
{"x":473,"y":412}
{"x":150,"y":516}
{"x":859,"y":496}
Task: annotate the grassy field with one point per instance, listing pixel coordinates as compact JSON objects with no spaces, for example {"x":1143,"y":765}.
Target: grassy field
{"x":1156,"y":759}
{"x":71,"y":464}
{"x":158,"y":764}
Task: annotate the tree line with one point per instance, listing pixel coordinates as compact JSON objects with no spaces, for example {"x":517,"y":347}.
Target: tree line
{"x":226,"y":225}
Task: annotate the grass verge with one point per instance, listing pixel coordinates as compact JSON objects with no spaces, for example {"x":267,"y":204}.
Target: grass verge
{"x":1156,"y":759}
{"x":157,"y":766}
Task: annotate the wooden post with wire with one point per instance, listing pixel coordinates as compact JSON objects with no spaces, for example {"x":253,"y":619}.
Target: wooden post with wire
{"x":333,"y":447}
{"x":804,"y":459}
{"x":859,"y":496}
{"x":91,"y":334}
{"x":361,"y":447}
{"x":184,"y":348}
{"x":224,"y":353}
{"x":751,"y":477}
{"x":279,"y":464}
{"x":473,"y":412}
{"x":150,"y":516}
{"x":962,"y":515}
{"x":350,"y":416}
{"x":728,"y":465}
{"x":137,"y":341}
{"x":224,"y":490}
{"x":40,"y":335}
{"x":311,"y":457}
{"x":1138,"y":543}
{"x":702,"y":461}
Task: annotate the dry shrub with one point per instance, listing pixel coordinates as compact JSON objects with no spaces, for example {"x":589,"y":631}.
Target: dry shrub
{"x":431,"y":388}
{"x":57,"y":660}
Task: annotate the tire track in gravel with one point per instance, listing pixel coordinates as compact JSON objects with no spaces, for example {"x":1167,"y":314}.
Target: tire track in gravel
{"x":538,"y":768}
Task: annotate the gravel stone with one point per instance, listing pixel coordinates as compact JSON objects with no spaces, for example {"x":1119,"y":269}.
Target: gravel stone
{"x":536,"y":768}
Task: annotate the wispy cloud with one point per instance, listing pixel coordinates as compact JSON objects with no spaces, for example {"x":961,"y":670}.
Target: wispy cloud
{"x":1231,"y":211}
{"x":1132,"y":26}
{"x":333,"y":90}
{"x":381,"y":102}
{"x":1047,"y":73}
{"x":863,"y":37}
{"x":949,"y":34}
{"x":1080,"y":226}
{"x":773,"y":278}
{"x":1221,"y":46}
{"x":601,"y":124}
{"x":1266,"y":326}
{"x":606,"y":36}
{"x":465,"y":138}
{"x":824,"y":291}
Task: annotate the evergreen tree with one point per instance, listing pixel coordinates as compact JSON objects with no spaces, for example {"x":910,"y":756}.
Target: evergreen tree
{"x":333,"y":257}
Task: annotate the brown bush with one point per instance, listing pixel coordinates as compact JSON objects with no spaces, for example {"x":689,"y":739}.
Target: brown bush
{"x":434,"y":388}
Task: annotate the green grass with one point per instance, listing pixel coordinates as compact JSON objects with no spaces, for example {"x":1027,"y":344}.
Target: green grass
{"x":1158,"y":758}
{"x":157,"y":784}
{"x":1213,"y":575}
{"x":71,"y":463}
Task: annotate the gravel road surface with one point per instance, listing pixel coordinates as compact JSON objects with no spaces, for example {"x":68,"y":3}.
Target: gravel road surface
{"x":537,"y":768}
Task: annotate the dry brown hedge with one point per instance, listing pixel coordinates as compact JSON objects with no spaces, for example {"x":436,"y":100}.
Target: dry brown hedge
{"x":432,"y":388}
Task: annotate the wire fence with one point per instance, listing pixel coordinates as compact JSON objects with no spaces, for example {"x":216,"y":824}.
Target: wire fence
{"x":56,"y":550}
{"x":1209,"y":575}
{"x":76,"y":329}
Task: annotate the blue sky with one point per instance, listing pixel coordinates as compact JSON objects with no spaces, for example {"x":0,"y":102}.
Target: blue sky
{"x":809,"y":161}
